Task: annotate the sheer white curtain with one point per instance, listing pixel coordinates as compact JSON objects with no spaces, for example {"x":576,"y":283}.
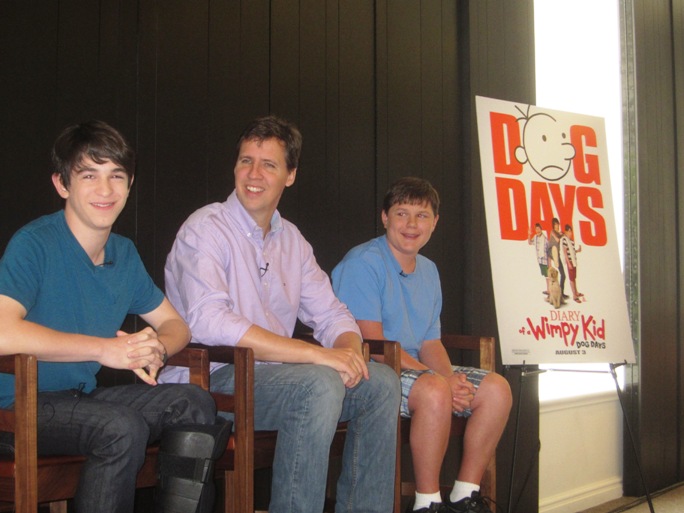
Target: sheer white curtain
{"x":577,"y":46}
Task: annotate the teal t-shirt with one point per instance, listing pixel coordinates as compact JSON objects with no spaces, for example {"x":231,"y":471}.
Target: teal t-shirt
{"x":369,"y":280}
{"x":46,"y":270}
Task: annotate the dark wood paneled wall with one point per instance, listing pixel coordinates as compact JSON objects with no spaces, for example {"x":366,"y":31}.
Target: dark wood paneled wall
{"x":380,"y":89}
{"x":654,"y":96}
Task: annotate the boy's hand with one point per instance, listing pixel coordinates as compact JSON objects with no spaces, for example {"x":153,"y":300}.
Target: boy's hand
{"x":462,"y":392}
{"x":145,"y":353}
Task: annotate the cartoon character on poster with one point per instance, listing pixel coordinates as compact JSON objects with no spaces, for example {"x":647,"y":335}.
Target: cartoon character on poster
{"x":546,"y":148}
{"x":549,"y":209}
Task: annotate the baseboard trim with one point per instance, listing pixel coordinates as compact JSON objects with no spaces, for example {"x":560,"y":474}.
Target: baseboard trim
{"x":582,"y":498}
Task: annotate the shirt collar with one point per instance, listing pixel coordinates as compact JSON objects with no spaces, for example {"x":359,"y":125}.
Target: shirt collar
{"x":245,"y":222}
{"x":384,"y":244}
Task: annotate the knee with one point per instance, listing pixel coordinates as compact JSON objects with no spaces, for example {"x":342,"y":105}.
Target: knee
{"x":384,"y":382}
{"x":432,"y":393}
{"x":495,"y":390}
{"x":123,"y":433}
{"x":201,"y":406}
{"x":190,"y":405}
{"x":320,"y":390}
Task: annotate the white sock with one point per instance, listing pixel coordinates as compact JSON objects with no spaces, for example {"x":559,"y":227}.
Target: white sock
{"x":423,"y":500}
{"x":462,"y":490}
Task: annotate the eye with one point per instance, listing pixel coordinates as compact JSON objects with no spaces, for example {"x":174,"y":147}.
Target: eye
{"x":544,"y":138}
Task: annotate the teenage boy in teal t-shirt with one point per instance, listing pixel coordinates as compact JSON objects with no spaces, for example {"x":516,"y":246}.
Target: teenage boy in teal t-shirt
{"x":66,"y":285}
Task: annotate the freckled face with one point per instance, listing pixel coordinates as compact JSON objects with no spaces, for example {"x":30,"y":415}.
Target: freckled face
{"x":261,"y":176}
{"x":96,"y":196}
{"x":409,"y":228}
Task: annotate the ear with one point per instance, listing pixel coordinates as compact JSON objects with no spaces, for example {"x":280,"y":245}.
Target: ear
{"x":59,"y":186}
{"x":521,"y":155}
{"x":434,"y":224}
{"x":383,"y":216}
{"x":291,"y":175}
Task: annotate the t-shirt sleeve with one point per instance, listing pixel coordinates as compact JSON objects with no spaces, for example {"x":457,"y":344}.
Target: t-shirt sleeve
{"x":21,"y":269}
{"x":358,"y":286}
{"x":147,"y":296}
{"x":434,"y":330}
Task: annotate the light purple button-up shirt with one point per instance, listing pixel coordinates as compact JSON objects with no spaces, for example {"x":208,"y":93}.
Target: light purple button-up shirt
{"x":223,"y":276}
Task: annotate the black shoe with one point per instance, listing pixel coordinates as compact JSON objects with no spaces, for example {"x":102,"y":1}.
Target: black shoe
{"x":473,"y":504}
{"x":435,"y":507}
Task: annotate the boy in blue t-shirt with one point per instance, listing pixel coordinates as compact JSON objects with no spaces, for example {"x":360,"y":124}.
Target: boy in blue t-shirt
{"x":66,"y":285}
{"x":395,"y":294}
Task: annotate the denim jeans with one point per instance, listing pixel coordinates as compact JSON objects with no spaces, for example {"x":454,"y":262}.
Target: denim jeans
{"x":112,"y":427}
{"x":304,"y":403}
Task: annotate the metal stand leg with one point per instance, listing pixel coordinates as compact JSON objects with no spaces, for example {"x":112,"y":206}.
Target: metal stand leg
{"x":523,"y":374}
{"x":631,"y":435}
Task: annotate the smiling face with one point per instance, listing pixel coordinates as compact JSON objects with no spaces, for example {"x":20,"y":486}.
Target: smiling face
{"x":409,"y":227}
{"x":95,"y":197}
{"x":261,"y":175}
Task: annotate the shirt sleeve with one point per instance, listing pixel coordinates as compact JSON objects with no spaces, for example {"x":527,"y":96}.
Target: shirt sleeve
{"x":319,"y":307}
{"x":197,"y":285}
{"x":147,"y":295}
{"x":359,"y":287}
{"x":435,"y":328}
{"x":21,"y":269}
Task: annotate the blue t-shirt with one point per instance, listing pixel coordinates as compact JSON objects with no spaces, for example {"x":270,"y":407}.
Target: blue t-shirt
{"x":46,"y":270}
{"x":371,"y":283}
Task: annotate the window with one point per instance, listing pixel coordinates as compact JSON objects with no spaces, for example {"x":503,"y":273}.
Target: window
{"x":577,"y":46}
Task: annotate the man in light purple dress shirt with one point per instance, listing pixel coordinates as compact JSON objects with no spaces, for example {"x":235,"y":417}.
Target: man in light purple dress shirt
{"x":240,"y":274}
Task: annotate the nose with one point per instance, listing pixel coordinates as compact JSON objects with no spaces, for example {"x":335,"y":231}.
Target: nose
{"x":254,"y":171}
{"x":104,"y":187}
{"x":569,"y":151}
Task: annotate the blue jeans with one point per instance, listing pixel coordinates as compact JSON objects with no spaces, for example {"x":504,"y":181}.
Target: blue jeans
{"x":112,"y":426}
{"x":304,"y":403}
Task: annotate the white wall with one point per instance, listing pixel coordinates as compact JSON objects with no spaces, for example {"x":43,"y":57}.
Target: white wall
{"x":580,"y":463}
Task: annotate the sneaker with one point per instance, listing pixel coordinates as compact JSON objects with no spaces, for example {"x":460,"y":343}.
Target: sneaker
{"x":435,"y":507}
{"x":473,"y":504}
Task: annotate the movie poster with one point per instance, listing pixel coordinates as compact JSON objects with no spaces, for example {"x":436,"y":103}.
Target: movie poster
{"x":558,"y":284}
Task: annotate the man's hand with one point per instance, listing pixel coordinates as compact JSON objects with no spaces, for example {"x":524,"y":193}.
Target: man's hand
{"x":347,"y":362}
{"x":462,"y":392}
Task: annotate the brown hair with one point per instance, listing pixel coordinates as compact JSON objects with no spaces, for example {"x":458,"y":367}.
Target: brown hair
{"x":273,"y":127}
{"x":96,"y":140}
{"x":411,"y":190}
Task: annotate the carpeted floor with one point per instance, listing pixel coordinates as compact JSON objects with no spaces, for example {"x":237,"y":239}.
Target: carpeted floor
{"x":670,"y":500}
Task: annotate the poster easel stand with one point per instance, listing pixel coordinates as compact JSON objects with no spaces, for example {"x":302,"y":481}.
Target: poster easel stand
{"x":523,"y":374}
{"x":614,"y":366}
